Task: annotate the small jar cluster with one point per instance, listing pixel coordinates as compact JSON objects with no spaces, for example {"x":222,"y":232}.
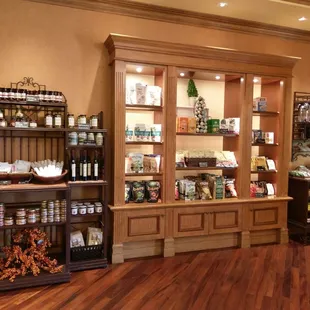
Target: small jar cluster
{"x":83,"y":122}
{"x":83,"y":208}
{"x":83,"y":138}
{"x":53,"y":120}
{"x":53,"y":211}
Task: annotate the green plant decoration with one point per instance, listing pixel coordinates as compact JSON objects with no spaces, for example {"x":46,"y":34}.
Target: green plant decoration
{"x":191,"y":89}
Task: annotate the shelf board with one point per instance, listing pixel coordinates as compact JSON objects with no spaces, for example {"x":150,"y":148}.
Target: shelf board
{"x":35,"y":104}
{"x":19,"y":188}
{"x":86,"y":218}
{"x":88,"y":264}
{"x":265,"y":171}
{"x":265,"y":113}
{"x":85,"y":146}
{"x":86,"y":130}
{"x":37,"y":129}
{"x":265,"y":144}
{"x":87,"y":183}
{"x":143,"y":107}
{"x":146,"y":174}
{"x":31,"y":225}
{"x":205,"y":168}
{"x":207,"y":134}
{"x":185,"y":107}
{"x":143,"y":143}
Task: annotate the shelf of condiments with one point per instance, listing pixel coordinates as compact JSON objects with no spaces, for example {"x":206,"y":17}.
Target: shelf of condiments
{"x":205,"y":186}
{"x":142,"y":191}
{"x":84,"y":169}
{"x":52,"y":211}
{"x":84,"y":208}
{"x":13,"y":94}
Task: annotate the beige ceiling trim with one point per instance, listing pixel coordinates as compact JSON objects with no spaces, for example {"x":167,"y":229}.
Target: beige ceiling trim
{"x":172,"y":15}
{"x":299,"y":3}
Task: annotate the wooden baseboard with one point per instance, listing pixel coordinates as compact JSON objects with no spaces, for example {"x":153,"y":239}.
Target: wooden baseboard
{"x":264,"y":236}
{"x":143,"y":249}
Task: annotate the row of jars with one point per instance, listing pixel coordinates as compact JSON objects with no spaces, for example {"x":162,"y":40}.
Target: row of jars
{"x":83,"y":121}
{"x":82,"y":208}
{"x":14,"y":94}
{"x":82,"y":138}
{"x":53,"y":211}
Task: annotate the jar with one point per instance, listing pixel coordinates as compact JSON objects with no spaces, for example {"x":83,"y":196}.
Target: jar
{"x":44,"y":219}
{"x":41,"y":96}
{"x":71,"y":121}
{"x":5,"y":94}
{"x":98,"y":209}
{"x":1,"y":214}
{"x":82,"y":120}
{"x":12,"y":94}
{"x":50,"y":219}
{"x":1,"y":222}
{"x":99,"y":138}
{"x":56,"y":218}
{"x":1,"y":114}
{"x":87,"y":203}
{"x":43,"y":212}
{"x":20,"y":212}
{"x":90,"y":209}
{"x":8,"y":220}
{"x":94,"y":121}
{"x":59,"y":97}
{"x":52,"y":96}
{"x":43,"y":203}
{"x":57,"y":120}
{"x":24,"y":95}
{"x":91,"y":137}
{"x":74,"y":210}
{"x":1,"y":207}
{"x":33,"y":124}
{"x":1,"y":92}
{"x":3,"y":122}
{"x":49,"y":120}
{"x":82,"y":210}
{"x":20,"y":220}
{"x":82,"y":137}
{"x":73,"y":138}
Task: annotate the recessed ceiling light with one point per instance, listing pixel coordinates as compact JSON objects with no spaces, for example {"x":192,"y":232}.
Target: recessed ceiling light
{"x":256,"y":80}
{"x":281,"y":83}
{"x":222,"y":4}
{"x":182,"y":74}
{"x":302,"y":19}
{"x":139,"y":69}
{"x":242,"y":79}
{"x":217,"y":77}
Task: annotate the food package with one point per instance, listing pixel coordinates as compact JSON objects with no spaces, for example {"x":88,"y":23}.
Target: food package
{"x":138,"y":191}
{"x":180,"y":159}
{"x":153,"y":95}
{"x":190,"y":190}
{"x":252,"y":190}
{"x":261,"y":163}
{"x":156,"y":133}
{"x":176,"y":190}
{"x":94,"y":236}
{"x":234,"y":125}
{"x":76,"y":239}
{"x":131,"y":94}
{"x":139,"y":132}
{"x":152,"y":190}
{"x":257,"y":136}
{"x":140,"y":93}
{"x":270,"y":189}
{"x":182,"y":124}
{"x":260,"y":104}
{"x":5,"y":167}
{"x":224,"y":125}
{"x":134,"y":163}
{"x":191,"y":125}
{"x":230,"y":190}
{"x":129,"y":133}
{"x":147,"y":133}
{"x":127,"y":191}
{"x":151,"y":163}
{"x":216,"y":184}
{"x":213,"y":125}
{"x":203,"y":190}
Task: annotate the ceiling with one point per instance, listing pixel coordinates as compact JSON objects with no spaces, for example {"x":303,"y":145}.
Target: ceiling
{"x":276,"y":12}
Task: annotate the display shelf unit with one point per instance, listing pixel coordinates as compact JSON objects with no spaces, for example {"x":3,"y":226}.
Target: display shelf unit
{"x":173,"y":226}
{"x":206,"y":134}
{"x":101,"y":185}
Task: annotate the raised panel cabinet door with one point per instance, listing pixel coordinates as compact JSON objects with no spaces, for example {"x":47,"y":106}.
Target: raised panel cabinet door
{"x":225,"y":221}
{"x":190,"y":222}
{"x":267,"y":216}
{"x":145,"y":225}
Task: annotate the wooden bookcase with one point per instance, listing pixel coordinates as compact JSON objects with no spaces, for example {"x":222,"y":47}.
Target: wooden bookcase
{"x":173,"y":226}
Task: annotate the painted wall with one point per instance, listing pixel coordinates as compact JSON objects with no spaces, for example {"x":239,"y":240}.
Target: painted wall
{"x":63,"y":48}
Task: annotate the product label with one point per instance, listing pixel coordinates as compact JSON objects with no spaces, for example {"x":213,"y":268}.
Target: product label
{"x":81,"y":169}
{"x":84,"y":170}
{"x":95,"y":170}
{"x":73,"y":170}
{"x":49,"y":121}
{"x":71,"y":122}
{"x":88,"y":169}
{"x":57,"y":121}
{"x":94,"y":122}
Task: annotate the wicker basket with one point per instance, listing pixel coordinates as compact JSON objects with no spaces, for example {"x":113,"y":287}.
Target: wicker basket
{"x":86,"y":252}
{"x":205,"y":162}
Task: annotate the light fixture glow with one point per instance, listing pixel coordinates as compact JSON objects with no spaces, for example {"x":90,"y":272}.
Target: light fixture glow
{"x":182,"y":74}
{"x":217,"y":77}
{"x":139,"y":69}
{"x":302,"y":19}
{"x":242,"y":79}
{"x":256,"y":80}
{"x":222,"y":4}
{"x":281,"y":83}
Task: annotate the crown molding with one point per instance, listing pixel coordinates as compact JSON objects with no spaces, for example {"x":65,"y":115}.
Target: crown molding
{"x":172,"y":15}
{"x":301,"y":2}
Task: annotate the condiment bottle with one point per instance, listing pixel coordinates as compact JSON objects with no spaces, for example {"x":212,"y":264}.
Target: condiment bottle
{"x":49,"y":120}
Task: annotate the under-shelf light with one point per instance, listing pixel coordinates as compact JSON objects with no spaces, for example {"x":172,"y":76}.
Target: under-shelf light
{"x":302,"y":19}
{"x":281,"y":83}
{"x":182,"y":74}
{"x":242,"y":80}
{"x":256,"y":80}
{"x":139,"y":69}
{"x":222,"y":4}
{"x":217,"y":77}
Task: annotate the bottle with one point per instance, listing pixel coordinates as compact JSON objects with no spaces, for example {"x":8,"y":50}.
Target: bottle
{"x":81,"y":167}
{"x":85,"y":166}
{"x":96,"y":167}
{"x":73,"y":167}
{"x":88,"y":168}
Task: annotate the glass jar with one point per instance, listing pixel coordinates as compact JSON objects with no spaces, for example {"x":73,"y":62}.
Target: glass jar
{"x":1,"y":93}
{"x":5,"y":94}
{"x":57,"y":120}
{"x":82,"y":210}
{"x":33,"y":124}
{"x":3,"y":122}
{"x":71,"y":121}
{"x":74,"y":210}
{"x":24,"y":95}
{"x":82,"y":119}
{"x":94,"y":121}
{"x":19,"y":114}
{"x":48,"y":120}
{"x":1,"y":114}
{"x":99,"y":138}
{"x":52,"y":96}
{"x":73,"y":138}
{"x":31,"y":216}
{"x":56,"y":218}
{"x":8,"y":220}
{"x":43,"y":219}
{"x":90,"y":209}
{"x":1,"y":207}
{"x":91,"y":137}
{"x":21,"y":212}
{"x":98,"y":208}
{"x":59,"y":97}
{"x":21,"y":220}
{"x":82,"y":137}
{"x":12,"y":94}
{"x":41,"y":95}
{"x":50,"y":218}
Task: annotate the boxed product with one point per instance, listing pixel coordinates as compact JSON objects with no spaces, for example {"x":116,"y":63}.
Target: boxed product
{"x":191,"y":125}
{"x":260,"y":104}
{"x":187,"y":190}
{"x":224,"y":125}
{"x":129,"y":133}
{"x":234,"y":125}
{"x":257,"y":136}
{"x":140,"y":93}
{"x":153,"y":95}
{"x":156,"y":133}
{"x":131,"y":94}
{"x":152,"y":191}
{"x":213,"y":125}
{"x":134,"y":163}
{"x":94,"y":236}
{"x":139,"y":132}
{"x":76,"y":239}
{"x":230,"y":190}
{"x":182,"y":124}
{"x":151,"y":163}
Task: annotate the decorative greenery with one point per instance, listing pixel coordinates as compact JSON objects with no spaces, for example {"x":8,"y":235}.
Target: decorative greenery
{"x":191,"y":89}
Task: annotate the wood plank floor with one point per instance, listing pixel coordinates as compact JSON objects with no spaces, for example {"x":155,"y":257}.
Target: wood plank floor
{"x":266,"y":277}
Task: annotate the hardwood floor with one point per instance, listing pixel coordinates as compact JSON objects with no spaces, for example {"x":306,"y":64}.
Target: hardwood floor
{"x":266,"y":277}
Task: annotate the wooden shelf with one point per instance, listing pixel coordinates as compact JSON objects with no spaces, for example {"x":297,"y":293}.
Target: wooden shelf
{"x":205,"y":168}
{"x":85,"y":146}
{"x":207,"y":134}
{"x":143,"y":174}
{"x":265,"y":171}
{"x":37,"y":129}
{"x":87,"y":183}
{"x":265,"y":144}
{"x":143,"y":143}
{"x":185,"y":107}
{"x":143,"y":107}
{"x":32,"y":225}
{"x":19,"y":188}
{"x":88,"y":264}
{"x":86,"y":218}
{"x":265,"y":113}
{"x":35,"y":104}
{"x":86,"y":130}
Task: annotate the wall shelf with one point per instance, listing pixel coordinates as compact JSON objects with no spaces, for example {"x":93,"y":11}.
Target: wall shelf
{"x":143,"y":143}
{"x":265,"y":144}
{"x":207,"y":134}
{"x":205,"y":168}
{"x":265,"y":113}
{"x":140,"y":107}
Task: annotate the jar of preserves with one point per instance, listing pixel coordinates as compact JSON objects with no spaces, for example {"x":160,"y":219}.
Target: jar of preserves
{"x":3,"y":122}
{"x":56,"y":218}
{"x":99,"y":138}
{"x":71,"y":121}
{"x":50,"y":218}
{"x":48,"y":120}
{"x":82,"y":120}
{"x":74,"y":210}
{"x":73,"y":138}
{"x":1,"y":207}
{"x":98,"y":208}
{"x":57,"y":120}
{"x":90,"y":209}
{"x":21,"y":212}
{"x":94,"y":121}
{"x":82,"y":137}
{"x":33,"y":124}
{"x":43,"y":219}
{"x":1,"y":114}
{"x":21,"y":220}
{"x":91,"y":137}
{"x":82,"y":210}
{"x":8,"y":220}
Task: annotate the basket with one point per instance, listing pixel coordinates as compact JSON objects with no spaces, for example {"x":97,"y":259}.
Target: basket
{"x":86,"y":252}
{"x":49,"y":179}
{"x":16,"y":177}
{"x":200,"y":162}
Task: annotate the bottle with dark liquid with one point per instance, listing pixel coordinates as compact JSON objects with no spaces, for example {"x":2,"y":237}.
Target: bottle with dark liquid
{"x":96,"y":167}
{"x":88,"y":168}
{"x":72,"y":167}
{"x":84,"y":178}
{"x":81,"y":167}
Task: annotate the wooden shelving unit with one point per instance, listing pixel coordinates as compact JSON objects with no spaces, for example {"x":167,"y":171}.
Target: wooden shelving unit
{"x":170,"y":227}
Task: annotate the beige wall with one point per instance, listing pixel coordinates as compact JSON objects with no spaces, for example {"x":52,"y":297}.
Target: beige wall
{"x":63,"y":48}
